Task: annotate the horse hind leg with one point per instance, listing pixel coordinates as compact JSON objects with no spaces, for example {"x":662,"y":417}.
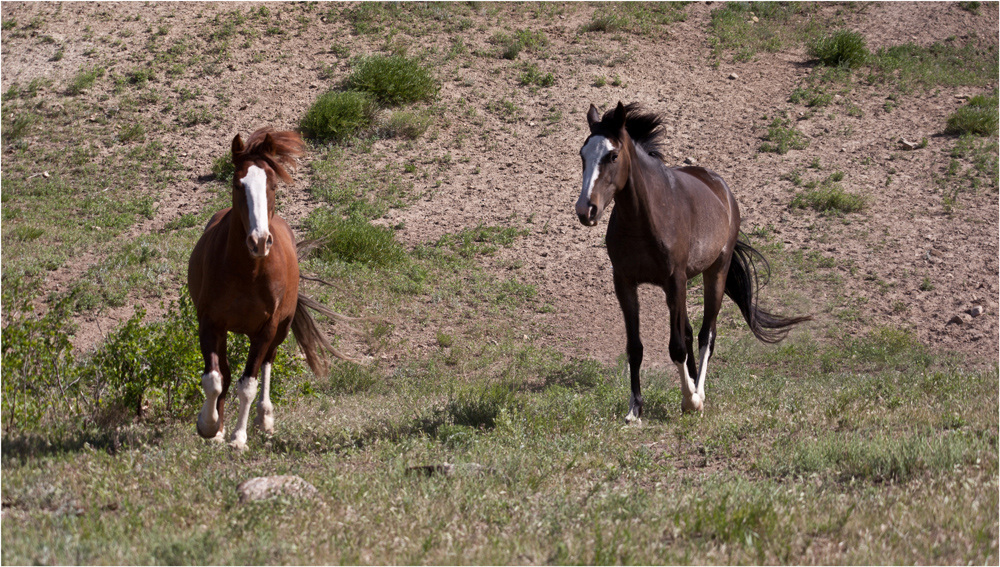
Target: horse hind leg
{"x":681,"y":345}
{"x":715,"y":287}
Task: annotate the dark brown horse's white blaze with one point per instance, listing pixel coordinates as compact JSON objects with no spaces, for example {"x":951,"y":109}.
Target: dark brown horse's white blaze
{"x":668,"y":225}
{"x":243,"y":276}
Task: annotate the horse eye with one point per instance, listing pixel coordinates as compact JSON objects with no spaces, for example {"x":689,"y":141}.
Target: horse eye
{"x":614,"y":157}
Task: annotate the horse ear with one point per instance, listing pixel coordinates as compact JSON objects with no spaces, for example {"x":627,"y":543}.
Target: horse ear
{"x":267,"y":147}
{"x":619,"y":119}
{"x":592,"y":116}
{"x":238,"y":145}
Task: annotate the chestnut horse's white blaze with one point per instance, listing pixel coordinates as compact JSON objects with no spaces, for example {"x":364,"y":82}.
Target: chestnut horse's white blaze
{"x":255,"y":185}
{"x":593,"y":153}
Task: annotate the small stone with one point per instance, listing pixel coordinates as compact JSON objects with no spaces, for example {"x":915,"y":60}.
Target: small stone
{"x":690,"y":161}
{"x":976,"y":311}
{"x":734,"y":76}
{"x":956,"y":320}
{"x":908,"y":145}
{"x":265,"y":487}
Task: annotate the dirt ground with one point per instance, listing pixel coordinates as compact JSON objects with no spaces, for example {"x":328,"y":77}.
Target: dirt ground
{"x":527,"y":171}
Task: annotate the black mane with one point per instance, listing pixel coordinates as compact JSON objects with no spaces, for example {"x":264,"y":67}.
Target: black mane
{"x":645,"y":128}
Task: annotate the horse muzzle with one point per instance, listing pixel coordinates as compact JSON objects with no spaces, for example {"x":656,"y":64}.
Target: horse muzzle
{"x":259,"y":245}
{"x":588,"y":213}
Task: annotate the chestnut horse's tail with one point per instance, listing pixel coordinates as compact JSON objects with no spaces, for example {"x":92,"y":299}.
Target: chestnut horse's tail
{"x":311,"y":340}
{"x":743,"y":286}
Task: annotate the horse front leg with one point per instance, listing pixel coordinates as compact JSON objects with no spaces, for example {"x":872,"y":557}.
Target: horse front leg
{"x":215,"y":381}
{"x":682,"y":344}
{"x":246,"y":388}
{"x":628,"y":299}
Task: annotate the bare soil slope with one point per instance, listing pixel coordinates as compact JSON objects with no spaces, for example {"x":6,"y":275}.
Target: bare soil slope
{"x":507,"y":154}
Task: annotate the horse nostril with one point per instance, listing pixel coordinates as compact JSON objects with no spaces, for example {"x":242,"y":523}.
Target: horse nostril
{"x":270,"y":241}
{"x":593,"y":212}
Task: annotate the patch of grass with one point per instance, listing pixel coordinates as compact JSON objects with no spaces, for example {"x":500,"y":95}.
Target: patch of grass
{"x":393,"y":80}
{"x":338,"y":115}
{"x":511,"y":44}
{"x":407,"y":124}
{"x":481,"y":240}
{"x":750,"y":27}
{"x":829,"y":197}
{"x":355,"y":240}
{"x":84,"y":79}
{"x":782,"y":137}
{"x":909,"y":65}
{"x":843,"y":48}
{"x":532,"y":76}
{"x":635,"y":17}
{"x":978,"y":116}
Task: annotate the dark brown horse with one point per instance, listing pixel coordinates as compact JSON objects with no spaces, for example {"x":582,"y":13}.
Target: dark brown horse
{"x":244,"y":277}
{"x":668,"y":225}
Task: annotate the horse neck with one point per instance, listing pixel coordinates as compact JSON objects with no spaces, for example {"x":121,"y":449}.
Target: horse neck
{"x":635,"y":200}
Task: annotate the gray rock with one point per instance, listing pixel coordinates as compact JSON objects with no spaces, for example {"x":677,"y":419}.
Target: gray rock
{"x":976,"y":311}
{"x":265,"y":487}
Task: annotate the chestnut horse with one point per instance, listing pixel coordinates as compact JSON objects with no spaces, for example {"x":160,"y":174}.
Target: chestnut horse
{"x":669,"y":225}
{"x":244,"y":277}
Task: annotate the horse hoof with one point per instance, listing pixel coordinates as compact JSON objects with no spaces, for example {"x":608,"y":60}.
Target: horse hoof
{"x":208,"y":430}
{"x":693,"y":405}
{"x":633,"y":421}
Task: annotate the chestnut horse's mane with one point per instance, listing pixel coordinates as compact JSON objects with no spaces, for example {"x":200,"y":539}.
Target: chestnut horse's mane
{"x":280,"y":154}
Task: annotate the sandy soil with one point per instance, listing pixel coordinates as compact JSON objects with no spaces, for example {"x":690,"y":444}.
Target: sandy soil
{"x":527,"y":171}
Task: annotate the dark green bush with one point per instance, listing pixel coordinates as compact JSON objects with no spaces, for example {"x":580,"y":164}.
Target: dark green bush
{"x":393,"y":79}
{"x":844,"y":48}
{"x":338,"y":115}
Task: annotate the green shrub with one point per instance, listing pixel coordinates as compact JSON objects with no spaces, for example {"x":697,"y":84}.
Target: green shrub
{"x":393,"y":79}
{"x":978,"y":116}
{"x":39,"y":377}
{"x":337,"y":115}
{"x":844,"y":48}
{"x":356,"y":240}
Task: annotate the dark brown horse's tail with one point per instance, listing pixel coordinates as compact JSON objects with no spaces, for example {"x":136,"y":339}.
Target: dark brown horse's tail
{"x":311,"y":340}
{"x":743,"y":286}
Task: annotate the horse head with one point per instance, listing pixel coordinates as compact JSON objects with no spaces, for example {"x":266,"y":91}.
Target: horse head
{"x":258,"y":164}
{"x":605,"y":163}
